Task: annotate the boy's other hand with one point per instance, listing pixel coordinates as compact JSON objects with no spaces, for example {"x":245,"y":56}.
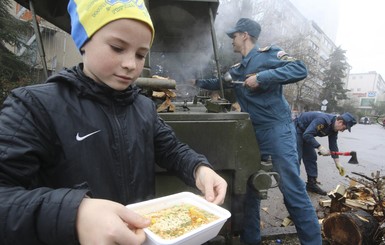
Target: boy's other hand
{"x":212,"y":185}
{"x":105,"y":222}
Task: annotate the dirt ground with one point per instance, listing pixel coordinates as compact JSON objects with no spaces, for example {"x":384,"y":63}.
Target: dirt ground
{"x":282,"y":235}
{"x":273,"y":213}
{"x":283,"y":238}
{"x":287,"y":241}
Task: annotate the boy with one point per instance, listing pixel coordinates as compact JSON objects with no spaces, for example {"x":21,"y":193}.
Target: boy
{"x":77,"y":149}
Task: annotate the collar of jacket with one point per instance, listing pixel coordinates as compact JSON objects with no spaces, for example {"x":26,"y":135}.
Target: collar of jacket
{"x":88,"y":88}
{"x":246,"y":59}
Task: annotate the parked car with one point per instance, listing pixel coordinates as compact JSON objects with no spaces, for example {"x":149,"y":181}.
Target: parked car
{"x":365,"y":120}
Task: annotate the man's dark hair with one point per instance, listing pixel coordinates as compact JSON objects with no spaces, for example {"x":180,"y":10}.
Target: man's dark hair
{"x":340,"y":118}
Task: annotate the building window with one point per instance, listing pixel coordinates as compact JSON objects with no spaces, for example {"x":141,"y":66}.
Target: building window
{"x":367,"y":102}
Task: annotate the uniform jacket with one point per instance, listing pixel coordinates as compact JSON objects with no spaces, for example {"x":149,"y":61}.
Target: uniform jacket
{"x":313,"y":124}
{"x":266,"y":105}
{"x":70,"y":137}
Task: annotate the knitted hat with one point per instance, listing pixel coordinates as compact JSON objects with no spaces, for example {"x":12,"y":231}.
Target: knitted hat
{"x":87,"y":17}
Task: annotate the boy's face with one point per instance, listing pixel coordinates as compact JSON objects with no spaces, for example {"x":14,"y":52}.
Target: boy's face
{"x":116,"y":53}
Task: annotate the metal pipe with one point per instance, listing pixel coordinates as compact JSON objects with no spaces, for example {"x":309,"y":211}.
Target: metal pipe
{"x":38,"y":39}
{"x":214,"y":38}
{"x":155,"y":83}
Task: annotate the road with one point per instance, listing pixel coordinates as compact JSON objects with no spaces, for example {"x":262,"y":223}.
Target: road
{"x":369,"y":143}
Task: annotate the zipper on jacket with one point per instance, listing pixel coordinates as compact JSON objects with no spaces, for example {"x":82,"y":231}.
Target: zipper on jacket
{"x":122,"y":158}
{"x":119,"y":164}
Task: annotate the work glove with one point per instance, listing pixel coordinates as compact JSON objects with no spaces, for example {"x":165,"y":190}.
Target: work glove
{"x":339,"y":167}
{"x":323,"y":151}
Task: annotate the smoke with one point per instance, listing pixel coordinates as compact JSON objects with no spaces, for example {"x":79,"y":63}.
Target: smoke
{"x":227,"y":17}
{"x":184,"y":49}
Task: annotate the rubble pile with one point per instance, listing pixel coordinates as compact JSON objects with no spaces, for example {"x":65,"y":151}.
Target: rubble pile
{"x":355,"y":214}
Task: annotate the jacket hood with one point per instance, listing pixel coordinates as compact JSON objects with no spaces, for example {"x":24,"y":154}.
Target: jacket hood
{"x":88,"y":88}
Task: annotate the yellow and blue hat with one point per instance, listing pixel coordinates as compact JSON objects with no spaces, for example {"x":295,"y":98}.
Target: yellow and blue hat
{"x":88,"y":16}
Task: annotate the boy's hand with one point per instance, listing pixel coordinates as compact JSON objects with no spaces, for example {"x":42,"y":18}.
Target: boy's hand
{"x":105,"y":222}
{"x":212,"y":185}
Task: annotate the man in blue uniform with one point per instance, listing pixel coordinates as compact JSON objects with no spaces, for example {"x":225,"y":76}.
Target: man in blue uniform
{"x":264,"y":72}
{"x":311,"y":124}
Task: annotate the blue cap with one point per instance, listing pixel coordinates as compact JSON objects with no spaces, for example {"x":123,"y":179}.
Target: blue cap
{"x":245,"y":25}
{"x":349,"y":120}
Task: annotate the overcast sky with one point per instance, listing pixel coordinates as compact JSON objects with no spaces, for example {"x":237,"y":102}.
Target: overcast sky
{"x":359,"y":29}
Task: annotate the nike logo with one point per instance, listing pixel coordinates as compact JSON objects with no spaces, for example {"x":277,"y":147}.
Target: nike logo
{"x":80,"y":138}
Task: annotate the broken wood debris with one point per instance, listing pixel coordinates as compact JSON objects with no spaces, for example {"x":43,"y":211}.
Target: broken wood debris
{"x":162,"y":96}
{"x":356,"y":213}
{"x":166,"y":95}
{"x":325,"y":203}
{"x":286,"y":222}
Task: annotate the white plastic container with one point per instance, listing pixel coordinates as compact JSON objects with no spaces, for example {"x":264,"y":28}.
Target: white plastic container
{"x":195,"y":237}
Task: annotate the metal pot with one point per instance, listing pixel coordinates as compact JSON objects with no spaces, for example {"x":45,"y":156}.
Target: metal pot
{"x":227,"y":77}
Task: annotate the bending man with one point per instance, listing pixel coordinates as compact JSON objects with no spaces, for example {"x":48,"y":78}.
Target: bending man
{"x":312,"y":124}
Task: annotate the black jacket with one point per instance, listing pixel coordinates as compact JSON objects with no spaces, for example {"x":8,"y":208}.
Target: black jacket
{"x":71,"y":137}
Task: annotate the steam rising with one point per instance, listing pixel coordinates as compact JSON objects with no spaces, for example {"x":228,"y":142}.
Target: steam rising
{"x":185,"y":52}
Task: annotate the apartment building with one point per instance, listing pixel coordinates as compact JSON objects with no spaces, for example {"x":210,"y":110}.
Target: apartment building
{"x":56,"y":51}
{"x":286,"y":26}
{"x":365,"y":89}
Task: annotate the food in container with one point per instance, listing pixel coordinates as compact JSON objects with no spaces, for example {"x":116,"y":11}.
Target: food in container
{"x":172,"y":222}
{"x":182,"y":218}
